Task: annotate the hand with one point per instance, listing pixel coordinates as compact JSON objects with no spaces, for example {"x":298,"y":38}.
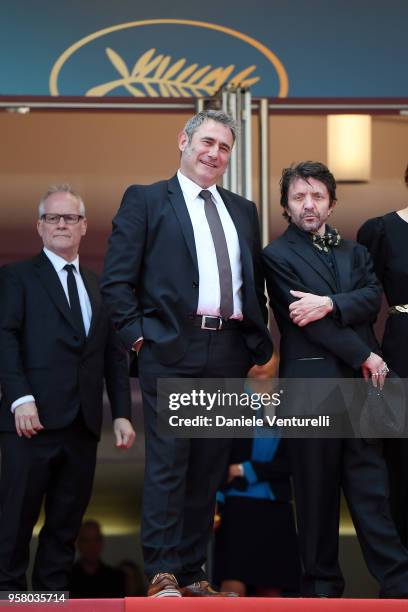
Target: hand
{"x":375,"y":367}
{"x":217,"y":517}
{"x":235,"y":470}
{"x":137,"y":346}
{"x":26,"y":420}
{"x":124,"y":433}
{"x":309,"y":307}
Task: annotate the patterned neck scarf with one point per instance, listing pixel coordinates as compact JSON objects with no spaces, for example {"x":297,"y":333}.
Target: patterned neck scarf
{"x":331,"y":238}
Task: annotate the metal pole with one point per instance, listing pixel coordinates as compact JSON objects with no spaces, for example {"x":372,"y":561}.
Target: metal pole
{"x":247,"y":144}
{"x":264,"y":170}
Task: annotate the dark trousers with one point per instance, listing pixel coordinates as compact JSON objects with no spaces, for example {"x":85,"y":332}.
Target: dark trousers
{"x":396,"y":457}
{"x":55,"y":465}
{"x":182,"y":475}
{"x":320,"y":469}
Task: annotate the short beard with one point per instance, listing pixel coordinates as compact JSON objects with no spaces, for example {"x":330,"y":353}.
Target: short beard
{"x":311,"y":226}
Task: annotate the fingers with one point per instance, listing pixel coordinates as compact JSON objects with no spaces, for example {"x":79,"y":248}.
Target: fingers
{"x":122,"y":439}
{"x":124,"y":433}
{"x":298,"y":294}
{"x":379,"y":374}
{"x":366,"y":374}
{"x":374,"y":379}
{"x":378,"y":379}
{"x":126,"y":441}
{"x":27,"y":426}
{"x":27,"y":421}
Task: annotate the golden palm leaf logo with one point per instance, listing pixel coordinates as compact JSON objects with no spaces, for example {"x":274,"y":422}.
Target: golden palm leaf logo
{"x":156,"y":75}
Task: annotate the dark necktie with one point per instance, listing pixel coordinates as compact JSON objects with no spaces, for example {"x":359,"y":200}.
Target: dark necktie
{"x":74,"y":300}
{"x":221,"y":252}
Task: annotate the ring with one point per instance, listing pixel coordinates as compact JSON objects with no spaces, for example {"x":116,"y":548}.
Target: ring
{"x":375,"y":374}
{"x":385,"y":369}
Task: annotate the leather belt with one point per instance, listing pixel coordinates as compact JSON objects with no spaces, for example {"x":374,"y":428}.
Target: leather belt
{"x":214,"y":323}
{"x":399,"y":309}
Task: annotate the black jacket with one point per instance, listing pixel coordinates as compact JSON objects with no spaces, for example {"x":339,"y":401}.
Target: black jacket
{"x":42,"y":355}
{"x":345,"y":340}
{"x":151,"y":275}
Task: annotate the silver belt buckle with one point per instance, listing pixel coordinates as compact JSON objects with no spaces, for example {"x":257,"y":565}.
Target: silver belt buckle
{"x":204,"y":320}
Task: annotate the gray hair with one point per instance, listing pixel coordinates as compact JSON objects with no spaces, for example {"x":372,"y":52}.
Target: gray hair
{"x":219,"y":116}
{"x":63,"y":188}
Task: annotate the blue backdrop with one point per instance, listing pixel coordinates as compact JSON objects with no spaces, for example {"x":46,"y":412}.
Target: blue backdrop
{"x":296,"y":48}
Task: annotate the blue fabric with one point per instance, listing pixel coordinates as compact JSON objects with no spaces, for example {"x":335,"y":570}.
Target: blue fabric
{"x":263,"y":450}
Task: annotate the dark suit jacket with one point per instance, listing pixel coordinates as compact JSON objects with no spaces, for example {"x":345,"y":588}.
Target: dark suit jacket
{"x":42,"y":355}
{"x":345,"y":340}
{"x":151,"y":276}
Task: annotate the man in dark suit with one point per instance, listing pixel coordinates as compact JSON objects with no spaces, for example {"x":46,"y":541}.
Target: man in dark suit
{"x":325,"y":297}
{"x":57,"y":345}
{"x":183,"y":278}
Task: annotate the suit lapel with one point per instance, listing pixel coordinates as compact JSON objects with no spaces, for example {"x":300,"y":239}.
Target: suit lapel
{"x":236,"y":213}
{"x":343,"y":262}
{"x":92,"y":289}
{"x":310,"y":256}
{"x":52,"y":284}
{"x":180,"y":208}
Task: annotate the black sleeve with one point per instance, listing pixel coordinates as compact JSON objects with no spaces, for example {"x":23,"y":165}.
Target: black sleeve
{"x":363,"y":302}
{"x":123,"y":264}
{"x":372,"y":235}
{"x":13,"y":380}
{"x":258,"y":268}
{"x":117,"y":376}
{"x":343,"y":342}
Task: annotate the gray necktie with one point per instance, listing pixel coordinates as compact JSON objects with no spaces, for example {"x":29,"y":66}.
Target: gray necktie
{"x":221,"y":252}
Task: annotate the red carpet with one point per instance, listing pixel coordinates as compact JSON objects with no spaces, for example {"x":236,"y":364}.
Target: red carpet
{"x":243,"y":604}
{"x":263,"y":604}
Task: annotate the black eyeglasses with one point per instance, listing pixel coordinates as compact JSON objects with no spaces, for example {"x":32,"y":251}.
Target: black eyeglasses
{"x":54,"y":218}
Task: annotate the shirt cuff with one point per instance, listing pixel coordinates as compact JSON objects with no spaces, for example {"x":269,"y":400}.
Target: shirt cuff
{"x":21,"y":400}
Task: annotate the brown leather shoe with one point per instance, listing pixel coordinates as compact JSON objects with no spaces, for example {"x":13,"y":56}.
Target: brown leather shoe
{"x":204,"y":589}
{"x":163,"y":585}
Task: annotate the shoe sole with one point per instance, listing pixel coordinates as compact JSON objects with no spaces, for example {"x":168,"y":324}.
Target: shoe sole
{"x":167,"y":593}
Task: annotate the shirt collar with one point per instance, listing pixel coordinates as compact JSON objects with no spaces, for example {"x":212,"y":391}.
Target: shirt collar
{"x":59,"y":262}
{"x":191,"y":189}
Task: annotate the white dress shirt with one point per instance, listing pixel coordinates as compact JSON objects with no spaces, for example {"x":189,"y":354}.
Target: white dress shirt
{"x":59,"y":263}
{"x":209,"y":282}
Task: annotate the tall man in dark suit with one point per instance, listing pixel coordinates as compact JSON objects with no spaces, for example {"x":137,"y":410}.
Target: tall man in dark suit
{"x":183,"y":278}
{"x":325,"y":297}
{"x":57,"y":345}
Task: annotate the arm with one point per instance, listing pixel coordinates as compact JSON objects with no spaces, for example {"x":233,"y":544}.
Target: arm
{"x":118,"y":390}
{"x":258,"y":268}
{"x":123,"y":263}
{"x":372,"y":235}
{"x":13,"y":379}
{"x":359,"y":305}
{"x":15,"y":385}
{"x":261,"y":471}
{"x":362,"y":304}
{"x":327,"y":333}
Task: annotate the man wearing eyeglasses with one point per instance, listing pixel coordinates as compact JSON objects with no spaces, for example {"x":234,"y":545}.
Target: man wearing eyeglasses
{"x":56,"y":347}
